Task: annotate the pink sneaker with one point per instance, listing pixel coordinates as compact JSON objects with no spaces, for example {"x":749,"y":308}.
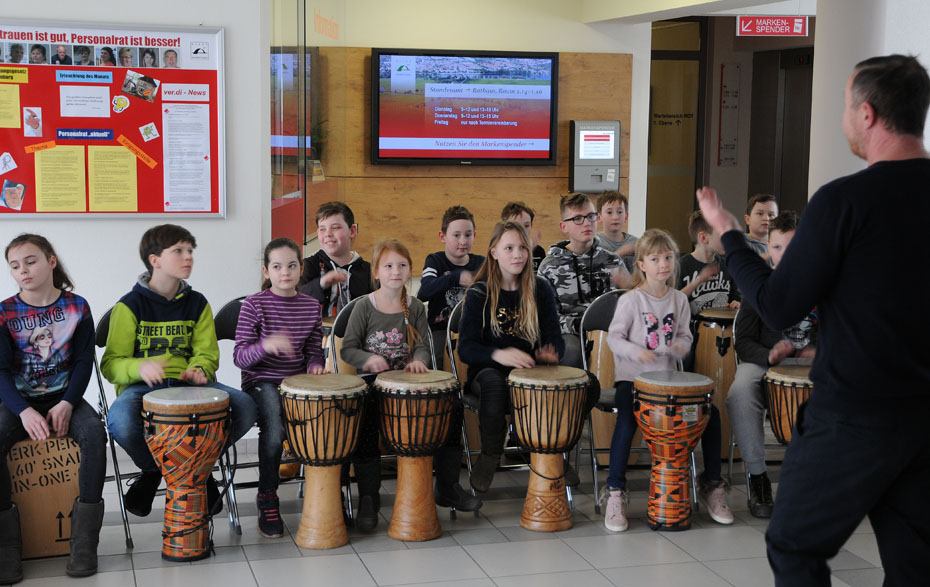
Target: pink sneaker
{"x":615,"y":518}
{"x":715,"y":500}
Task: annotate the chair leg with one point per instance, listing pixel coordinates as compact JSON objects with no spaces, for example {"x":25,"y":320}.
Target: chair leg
{"x":597,"y":505}
{"x":227,"y":471}
{"x":467,"y":452}
{"x":300,"y":488}
{"x":694,"y":485}
{"x":568,"y":489}
{"x":119,"y":492}
{"x":730,"y":458}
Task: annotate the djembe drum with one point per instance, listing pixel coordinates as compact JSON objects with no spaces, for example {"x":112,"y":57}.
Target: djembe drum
{"x":186,"y":429}
{"x":321,"y":418}
{"x":548,"y":414}
{"x":786,"y":388}
{"x":672,"y":409}
{"x":715,"y":357}
{"x":416,"y":413}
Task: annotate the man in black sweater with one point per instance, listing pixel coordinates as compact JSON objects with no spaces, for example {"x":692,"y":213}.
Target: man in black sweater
{"x":861,"y":446}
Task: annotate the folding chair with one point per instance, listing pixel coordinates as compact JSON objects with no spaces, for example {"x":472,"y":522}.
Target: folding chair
{"x":100,"y":340}
{"x":598,"y":358}
{"x":472,"y":403}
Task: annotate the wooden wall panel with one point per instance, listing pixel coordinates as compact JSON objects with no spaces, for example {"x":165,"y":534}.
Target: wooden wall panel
{"x":407,"y":201}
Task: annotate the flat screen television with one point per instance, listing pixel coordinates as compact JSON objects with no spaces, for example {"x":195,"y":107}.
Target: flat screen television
{"x":463,"y":107}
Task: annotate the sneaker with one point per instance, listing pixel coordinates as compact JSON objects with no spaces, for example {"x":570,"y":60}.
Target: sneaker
{"x":760,"y":499}
{"x":714,"y":497}
{"x":270,"y":524}
{"x":214,"y":503}
{"x":615,"y":518}
{"x":141,"y":493}
{"x":367,"y":517}
{"x":456,"y":497}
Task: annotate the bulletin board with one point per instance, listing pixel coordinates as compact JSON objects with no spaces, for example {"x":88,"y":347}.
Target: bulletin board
{"x":111,"y":121}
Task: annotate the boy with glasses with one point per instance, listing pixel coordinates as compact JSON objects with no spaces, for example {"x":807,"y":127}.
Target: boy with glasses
{"x":579,"y":269}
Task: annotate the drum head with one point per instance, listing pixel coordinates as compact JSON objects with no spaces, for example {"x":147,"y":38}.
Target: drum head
{"x":323,"y":385}
{"x":717,"y":314}
{"x":548,"y":375}
{"x":185,"y":396}
{"x":432,"y":380}
{"x":790,"y":374}
{"x":669,"y":380}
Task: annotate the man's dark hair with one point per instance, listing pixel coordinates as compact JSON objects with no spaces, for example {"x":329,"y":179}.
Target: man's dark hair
{"x":158,"y":238}
{"x":785,"y":222}
{"x":898,"y":89}
{"x":331,"y":209}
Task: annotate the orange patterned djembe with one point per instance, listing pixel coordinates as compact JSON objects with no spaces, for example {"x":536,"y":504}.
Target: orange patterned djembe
{"x":672,"y":409}
{"x":548,"y":414}
{"x":186,"y":429}
{"x":416,"y":417}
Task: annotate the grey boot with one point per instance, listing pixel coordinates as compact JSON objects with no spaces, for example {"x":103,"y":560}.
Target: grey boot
{"x":482,"y":472}
{"x":86,"y":519}
{"x":11,"y":547}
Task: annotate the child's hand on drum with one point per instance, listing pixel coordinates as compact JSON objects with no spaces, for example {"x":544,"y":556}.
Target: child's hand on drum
{"x":647,"y":356}
{"x":679,"y":349}
{"x":34,"y":423}
{"x":416,"y":367}
{"x":782,"y":349}
{"x":513,"y":357}
{"x":734,"y":305}
{"x":375,"y":364}
{"x":193,"y":375}
{"x":278,"y":345}
{"x":547,"y":354}
{"x":59,"y":417}
{"x":152,"y":372}
{"x":317,"y":370}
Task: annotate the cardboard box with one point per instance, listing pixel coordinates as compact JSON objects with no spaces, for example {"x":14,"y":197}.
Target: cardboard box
{"x":44,"y":476}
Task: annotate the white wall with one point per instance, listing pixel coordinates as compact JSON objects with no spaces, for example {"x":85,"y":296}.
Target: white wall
{"x":527,"y":25}
{"x":101,"y":254}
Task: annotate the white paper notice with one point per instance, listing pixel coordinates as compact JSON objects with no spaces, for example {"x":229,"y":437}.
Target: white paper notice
{"x":85,"y":101}
{"x":186,"y":142}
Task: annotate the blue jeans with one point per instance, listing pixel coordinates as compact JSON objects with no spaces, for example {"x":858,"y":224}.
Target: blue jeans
{"x":125,"y":419}
{"x":87,"y":431}
{"x":270,"y":432}
{"x":626,"y":428}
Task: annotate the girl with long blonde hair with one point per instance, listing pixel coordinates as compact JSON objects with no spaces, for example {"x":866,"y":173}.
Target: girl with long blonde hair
{"x":509,"y":321}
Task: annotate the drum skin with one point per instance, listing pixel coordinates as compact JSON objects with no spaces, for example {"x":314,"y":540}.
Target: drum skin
{"x":416,"y":413}
{"x":186,"y":429}
{"x":672,"y":409}
{"x":786,"y":388}
{"x":548,"y":414}
{"x":322,"y":415}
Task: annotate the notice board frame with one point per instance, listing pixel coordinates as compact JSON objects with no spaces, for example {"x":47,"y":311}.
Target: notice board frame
{"x":195,"y":69}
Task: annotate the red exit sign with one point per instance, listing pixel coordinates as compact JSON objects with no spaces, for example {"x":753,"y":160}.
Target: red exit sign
{"x":771,"y":26}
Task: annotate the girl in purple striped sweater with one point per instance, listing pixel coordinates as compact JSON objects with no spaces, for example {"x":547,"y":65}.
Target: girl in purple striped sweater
{"x":279,"y":334}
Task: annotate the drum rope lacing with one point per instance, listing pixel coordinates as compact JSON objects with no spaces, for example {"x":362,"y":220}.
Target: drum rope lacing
{"x":416,"y":423}
{"x":311,"y":443}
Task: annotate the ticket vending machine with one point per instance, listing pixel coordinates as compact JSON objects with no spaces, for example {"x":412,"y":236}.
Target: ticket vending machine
{"x":594,"y":149}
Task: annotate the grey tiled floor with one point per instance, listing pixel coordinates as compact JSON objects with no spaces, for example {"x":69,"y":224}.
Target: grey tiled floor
{"x":472,"y":552}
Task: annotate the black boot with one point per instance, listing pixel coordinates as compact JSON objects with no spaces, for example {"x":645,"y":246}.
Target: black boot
{"x":760,"y":496}
{"x":368,"y":475}
{"x":86,"y":519}
{"x":482,"y":472}
{"x":11,"y":547}
{"x":448,"y":465}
